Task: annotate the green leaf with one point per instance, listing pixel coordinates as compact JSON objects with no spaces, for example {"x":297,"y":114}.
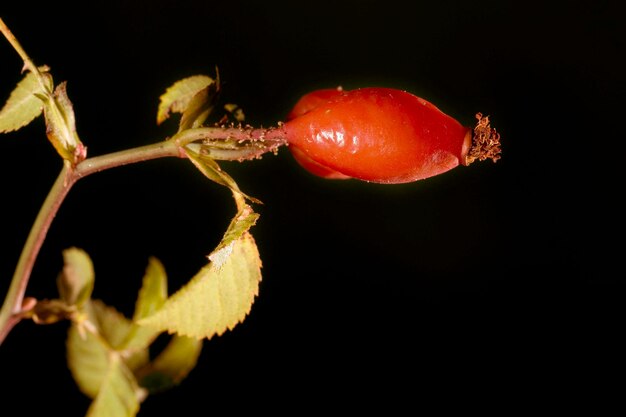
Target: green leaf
{"x":152,"y":296}
{"x":112,"y":325}
{"x":153,"y":291}
{"x":199,"y":107}
{"x":172,"y":365}
{"x":92,"y":359}
{"x":243,"y":221}
{"x":212,"y":171}
{"x":115,"y":329}
{"x":217,"y":298}
{"x":23,"y":105}
{"x":75,"y":282}
{"x":61,"y":125}
{"x":118,"y":394}
{"x":178,"y":96}
{"x":88,"y":359}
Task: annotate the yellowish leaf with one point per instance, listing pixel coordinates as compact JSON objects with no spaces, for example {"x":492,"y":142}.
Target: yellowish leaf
{"x":178,"y":96}
{"x":217,"y":298}
{"x":112,"y":325}
{"x":100,"y":371}
{"x":153,"y":291}
{"x":118,"y":393}
{"x":152,"y":295}
{"x":75,"y":282}
{"x":212,"y":171}
{"x":116,"y":330}
{"x":61,"y":125}
{"x":199,"y":107}
{"x":172,"y":365}
{"x":23,"y":104}
{"x":88,"y":360}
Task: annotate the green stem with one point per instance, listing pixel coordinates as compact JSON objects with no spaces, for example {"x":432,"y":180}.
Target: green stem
{"x":11,"y":311}
{"x":168,"y":148}
{"x":28,"y":63}
{"x":9,"y":315}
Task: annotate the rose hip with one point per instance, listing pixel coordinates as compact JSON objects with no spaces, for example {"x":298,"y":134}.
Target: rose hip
{"x":382,"y":135}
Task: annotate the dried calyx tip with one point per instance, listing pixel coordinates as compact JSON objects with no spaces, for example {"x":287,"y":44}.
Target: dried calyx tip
{"x":485,"y":141}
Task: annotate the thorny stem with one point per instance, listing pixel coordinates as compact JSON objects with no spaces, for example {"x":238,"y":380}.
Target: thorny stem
{"x":238,"y":133}
{"x":12,"y":310}
{"x":235,"y":143}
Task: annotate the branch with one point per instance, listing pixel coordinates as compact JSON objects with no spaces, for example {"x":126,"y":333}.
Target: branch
{"x":12,"y":309}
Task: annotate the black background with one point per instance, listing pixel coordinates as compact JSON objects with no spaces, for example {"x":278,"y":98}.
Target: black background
{"x":495,"y":282}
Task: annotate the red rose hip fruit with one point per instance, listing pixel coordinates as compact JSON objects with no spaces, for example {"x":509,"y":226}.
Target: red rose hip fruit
{"x":382,"y":135}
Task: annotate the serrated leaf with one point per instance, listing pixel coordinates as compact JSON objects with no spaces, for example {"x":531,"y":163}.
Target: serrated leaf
{"x":115,"y":329}
{"x":172,"y":365}
{"x":75,"y":282}
{"x":61,"y":125}
{"x":153,"y":291}
{"x":243,"y":221}
{"x":112,"y":325}
{"x":217,"y":298}
{"x":90,"y":352}
{"x":118,"y":392}
{"x":177,"y":97}
{"x":199,"y":107}
{"x":212,"y":171}
{"x":23,"y":105}
{"x":151,"y":298}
